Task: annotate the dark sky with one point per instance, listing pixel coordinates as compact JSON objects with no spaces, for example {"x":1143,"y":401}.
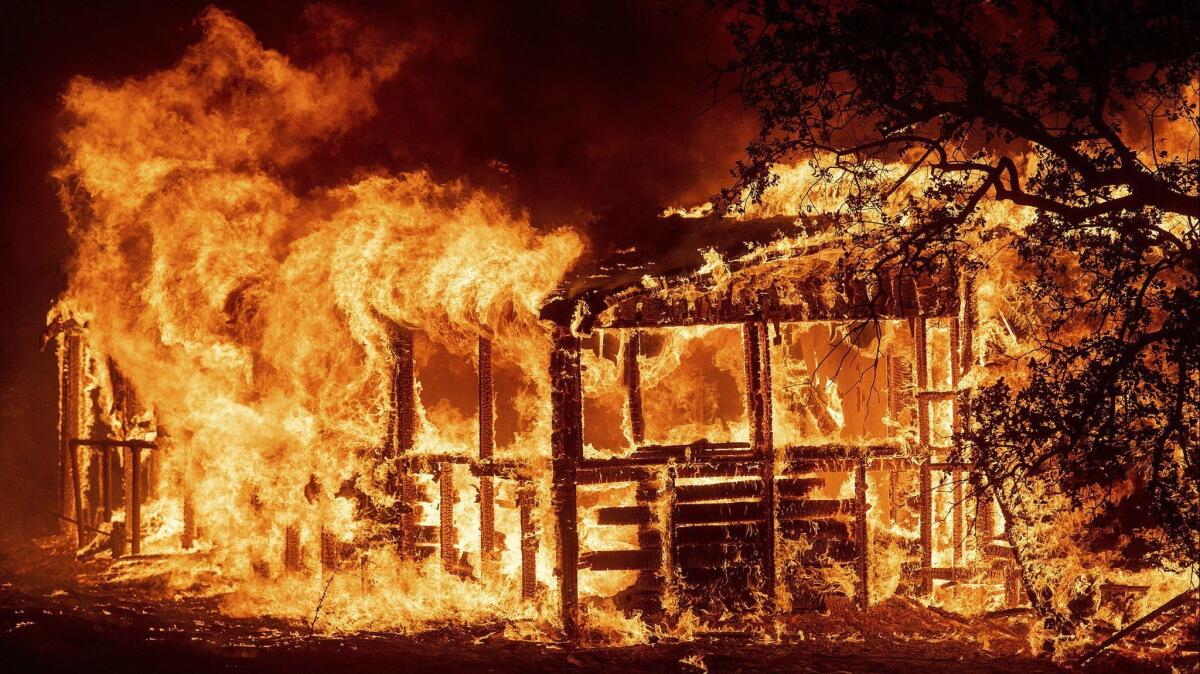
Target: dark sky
{"x":597,"y":109}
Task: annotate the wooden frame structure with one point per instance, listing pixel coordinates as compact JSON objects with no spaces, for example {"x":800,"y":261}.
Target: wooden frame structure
{"x":416,"y":540}
{"x":765,"y":491}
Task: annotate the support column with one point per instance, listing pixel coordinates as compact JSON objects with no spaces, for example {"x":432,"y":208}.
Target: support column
{"x":133,"y":498}
{"x":401,"y":431}
{"x":188,"y":536}
{"x":566,"y":445}
{"x":926,"y":489}
{"x":862,"y":561}
{"x":487,"y":443}
{"x":529,"y":541}
{"x":758,"y":400}
{"x":633,"y":385}
{"x":448,"y":539}
{"x":926,"y":484}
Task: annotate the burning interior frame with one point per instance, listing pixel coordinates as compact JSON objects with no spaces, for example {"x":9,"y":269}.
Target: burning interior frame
{"x":806,"y":501}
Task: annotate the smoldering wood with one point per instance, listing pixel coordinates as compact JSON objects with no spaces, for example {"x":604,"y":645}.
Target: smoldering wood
{"x":861,"y":538}
{"x":797,"y":487}
{"x":529,"y":541}
{"x":763,"y":292}
{"x":624,"y":515}
{"x":448,"y":539}
{"x":566,"y":448}
{"x":816,"y":529}
{"x":721,"y":555}
{"x":291,"y":548}
{"x":926,"y":525}
{"x":487,"y":488}
{"x":716,"y":513}
{"x":648,"y":559}
{"x":633,"y":385}
{"x":187,"y":537}
{"x":800,"y":509}
{"x":718,"y":533}
{"x":719,"y":491}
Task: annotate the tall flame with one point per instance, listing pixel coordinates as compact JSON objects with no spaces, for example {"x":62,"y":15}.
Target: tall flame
{"x":254,"y":317}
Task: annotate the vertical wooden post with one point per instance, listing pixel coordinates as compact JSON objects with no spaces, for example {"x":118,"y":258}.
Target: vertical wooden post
{"x":330,"y":550}
{"x":758,"y":399}
{"x":291,"y":548}
{"x":862,"y":561}
{"x":970,"y":318}
{"x":71,"y":393}
{"x":926,"y":484}
{"x":671,"y":570}
{"x":401,"y":431}
{"x":105,"y":484}
{"x":529,"y":541}
{"x":926,"y":528}
{"x":133,"y":504}
{"x":135,"y":512}
{"x":956,"y":523}
{"x":633,"y":385}
{"x":566,"y":445}
{"x":487,"y":443}
{"x":188,"y":536}
{"x":448,"y":539}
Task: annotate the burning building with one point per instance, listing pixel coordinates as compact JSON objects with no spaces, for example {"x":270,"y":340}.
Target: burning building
{"x":758,"y":431}
{"x":397,"y":398}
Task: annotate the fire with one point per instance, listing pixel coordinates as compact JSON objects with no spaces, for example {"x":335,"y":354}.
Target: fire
{"x":255,"y":320}
{"x":262,"y":326}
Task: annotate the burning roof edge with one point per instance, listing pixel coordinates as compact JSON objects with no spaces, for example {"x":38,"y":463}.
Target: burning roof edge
{"x":780,"y":269}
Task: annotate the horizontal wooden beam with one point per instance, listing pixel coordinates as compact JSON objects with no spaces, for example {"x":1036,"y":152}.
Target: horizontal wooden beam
{"x":621,"y":560}
{"x":113,"y":442}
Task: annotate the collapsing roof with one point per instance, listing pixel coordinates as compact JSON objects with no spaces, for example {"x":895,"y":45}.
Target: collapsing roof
{"x":772,"y":269}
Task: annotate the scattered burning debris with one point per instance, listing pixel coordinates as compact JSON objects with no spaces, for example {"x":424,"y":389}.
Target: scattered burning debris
{"x":393,"y":404}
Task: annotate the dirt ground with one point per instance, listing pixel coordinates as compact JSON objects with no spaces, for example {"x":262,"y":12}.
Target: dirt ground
{"x":52,"y":619}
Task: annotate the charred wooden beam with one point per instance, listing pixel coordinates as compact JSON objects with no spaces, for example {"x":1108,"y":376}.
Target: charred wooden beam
{"x":566,"y":447}
{"x":861,"y":560}
{"x":331,"y":553}
{"x":106,"y":484}
{"x":487,"y":442}
{"x":291,"y":548}
{"x":710,"y":469}
{"x":1180,"y":600}
{"x":529,"y":542}
{"x":721,"y":555}
{"x":187,"y":537}
{"x":133,"y":497}
{"x":633,"y":385}
{"x":903,"y":296}
{"x":718,"y":533}
{"x":956,"y":519}
{"x":801,"y":509}
{"x":401,"y":431}
{"x":831,"y":551}
{"x":816,"y":529}
{"x":926,"y":525}
{"x":758,"y":385}
{"x":669,"y":536}
{"x":604,"y":475}
{"x":622,"y":560}
{"x":448,"y":539}
{"x":113,"y":442}
{"x":624,"y":515}
{"x":719,"y":491}
{"x":797,"y":487}
{"x":712,"y":513}
{"x":969,"y":320}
